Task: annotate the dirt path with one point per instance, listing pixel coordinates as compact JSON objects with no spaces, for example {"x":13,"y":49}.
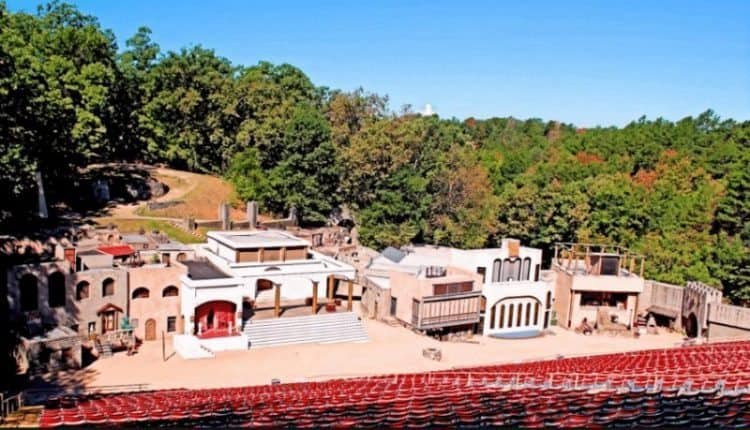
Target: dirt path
{"x":177,"y":190}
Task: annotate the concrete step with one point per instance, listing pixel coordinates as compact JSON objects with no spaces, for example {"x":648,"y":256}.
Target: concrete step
{"x":326,"y":328}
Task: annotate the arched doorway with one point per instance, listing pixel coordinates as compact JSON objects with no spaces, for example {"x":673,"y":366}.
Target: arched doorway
{"x":515,"y":315}
{"x":215,"y":318}
{"x":150,"y":329}
{"x":691,"y":325}
{"x":56,"y":290}
{"x":29,"y":292}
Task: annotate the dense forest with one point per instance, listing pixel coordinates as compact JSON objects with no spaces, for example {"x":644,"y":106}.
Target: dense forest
{"x":678,"y":192}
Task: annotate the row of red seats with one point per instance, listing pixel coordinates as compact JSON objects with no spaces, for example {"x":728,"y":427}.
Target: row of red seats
{"x":438,"y":398}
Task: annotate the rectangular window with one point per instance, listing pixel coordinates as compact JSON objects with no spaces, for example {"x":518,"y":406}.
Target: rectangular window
{"x":92,"y":327}
{"x":171,"y":324}
{"x":455,"y":288}
{"x":482,"y":271}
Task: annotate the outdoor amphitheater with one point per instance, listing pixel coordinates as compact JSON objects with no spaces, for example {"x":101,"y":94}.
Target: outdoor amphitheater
{"x":705,"y":385}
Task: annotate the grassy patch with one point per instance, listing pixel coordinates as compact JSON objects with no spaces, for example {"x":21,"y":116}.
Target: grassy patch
{"x":201,"y":201}
{"x":136,"y":225}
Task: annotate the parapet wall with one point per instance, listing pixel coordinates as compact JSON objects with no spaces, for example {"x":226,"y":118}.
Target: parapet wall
{"x":728,"y":320}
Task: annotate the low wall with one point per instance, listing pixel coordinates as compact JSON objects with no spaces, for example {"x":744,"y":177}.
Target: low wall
{"x":729,"y":315}
{"x":229,"y":343}
{"x":663,"y":299}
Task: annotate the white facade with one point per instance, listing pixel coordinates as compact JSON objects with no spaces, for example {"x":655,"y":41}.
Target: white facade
{"x":240,"y":280}
{"x":508,"y":280}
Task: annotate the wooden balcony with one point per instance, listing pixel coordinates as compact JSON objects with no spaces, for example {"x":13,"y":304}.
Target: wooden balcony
{"x":446,"y":310}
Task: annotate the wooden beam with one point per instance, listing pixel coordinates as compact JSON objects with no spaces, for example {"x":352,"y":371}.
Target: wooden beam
{"x":642,"y":261}
{"x":330,"y":287}
{"x":351,"y":293}
{"x":276,"y":300}
{"x":315,"y":298}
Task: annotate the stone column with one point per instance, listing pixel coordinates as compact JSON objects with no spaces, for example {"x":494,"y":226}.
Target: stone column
{"x":252,"y":214}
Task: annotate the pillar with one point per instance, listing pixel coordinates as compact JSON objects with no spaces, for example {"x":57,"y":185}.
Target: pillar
{"x":351,"y":292}
{"x":315,"y":298}
{"x":330,"y":287}
{"x":252,"y":214}
{"x":276,"y":300}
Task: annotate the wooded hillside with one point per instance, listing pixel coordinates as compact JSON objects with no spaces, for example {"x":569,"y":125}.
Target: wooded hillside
{"x":679,"y":192}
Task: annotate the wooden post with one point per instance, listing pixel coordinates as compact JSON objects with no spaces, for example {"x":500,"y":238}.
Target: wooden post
{"x":642,"y":261}
{"x":277,"y":300}
{"x":330,"y":288}
{"x":351,"y":293}
{"x":163,"y":347}
{"x":315,"y":298}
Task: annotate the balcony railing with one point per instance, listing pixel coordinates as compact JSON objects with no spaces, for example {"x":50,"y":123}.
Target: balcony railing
{"x":446,"y":310}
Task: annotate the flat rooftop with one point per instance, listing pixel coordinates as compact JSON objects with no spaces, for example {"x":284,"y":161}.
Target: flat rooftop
{"x":200,"y":270}
{"x":242,"y":239}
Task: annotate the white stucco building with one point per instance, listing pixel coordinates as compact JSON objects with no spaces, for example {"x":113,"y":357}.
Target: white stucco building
{"x":516,"y":303}
{"x":239,"y":271}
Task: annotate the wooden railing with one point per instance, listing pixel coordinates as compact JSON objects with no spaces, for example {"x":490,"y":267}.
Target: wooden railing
{"x":446,"y":310}
{"x":9,"y":404}
{"x":34,"y":396}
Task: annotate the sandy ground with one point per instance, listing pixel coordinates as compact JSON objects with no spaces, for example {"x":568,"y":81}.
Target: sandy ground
{"x":390,"y":350}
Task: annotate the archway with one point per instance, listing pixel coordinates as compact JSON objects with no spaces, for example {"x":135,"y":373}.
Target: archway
{"x":56,"y":290}
{"x":150,"y":329}
{"x":29,"y":292}
{"x":215,"y":318}
{"x":691,"y":325}
{"x":519,"y":314}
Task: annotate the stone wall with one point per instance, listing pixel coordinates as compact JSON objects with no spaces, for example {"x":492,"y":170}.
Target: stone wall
{"x":695,"y":301}
{"x":728,"y":321}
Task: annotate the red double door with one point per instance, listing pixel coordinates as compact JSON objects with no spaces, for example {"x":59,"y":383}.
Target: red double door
{"x":215,"y":317}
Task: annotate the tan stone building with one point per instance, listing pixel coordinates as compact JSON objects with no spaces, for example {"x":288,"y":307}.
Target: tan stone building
{"x":155,"y":300}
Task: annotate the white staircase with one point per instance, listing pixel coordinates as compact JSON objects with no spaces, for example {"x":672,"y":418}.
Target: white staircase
{"x":322,"y":328}
{"x":189,"y":347}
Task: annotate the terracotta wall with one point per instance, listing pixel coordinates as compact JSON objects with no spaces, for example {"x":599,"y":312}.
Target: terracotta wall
{"x":156,"y":307}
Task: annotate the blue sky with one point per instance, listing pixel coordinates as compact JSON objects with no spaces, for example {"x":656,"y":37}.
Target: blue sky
{"x":585,"y":62}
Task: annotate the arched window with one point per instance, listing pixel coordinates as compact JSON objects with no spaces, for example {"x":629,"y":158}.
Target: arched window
{"x":527,"y":320}
{"x":492,"y":318}
{"x":519,"y":309}
{"x":82,"y":290}
{"x":549,"y":299}
{"x":526,"y":270}
{"x":181,"y":257}
{"x":108,"y":287}
{"x":502,"y":316}
{"x":511,"y":270}
{"x":536,"y":313}
{"x":170,"y":291}
{"x":536,"y":272}
{"x":29,"y":292}
{"x":56,"y":290}
{"x":140,"y":293}
{"x":497,"y":268}
{"x":510,"y":315}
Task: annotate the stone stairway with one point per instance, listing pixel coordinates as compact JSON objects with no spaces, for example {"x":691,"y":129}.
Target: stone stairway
{"x":190,"y":348}
{"x":104,"y":349}
{"x":323,"y":328}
